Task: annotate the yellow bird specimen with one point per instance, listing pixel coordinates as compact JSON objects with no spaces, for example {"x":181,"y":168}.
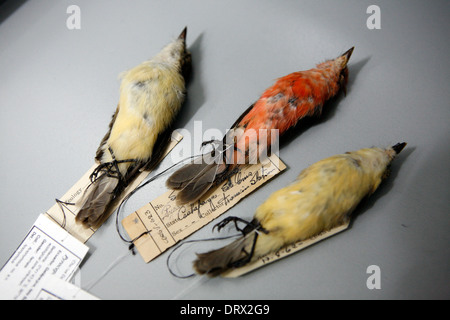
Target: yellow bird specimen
{"x":151,"y":95}
{"x":322,"y":197}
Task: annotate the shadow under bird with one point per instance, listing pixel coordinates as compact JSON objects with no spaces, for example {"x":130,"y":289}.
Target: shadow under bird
{"x":322,"y":197}
{"x":280,"y":107}
{"x":151,"y":95}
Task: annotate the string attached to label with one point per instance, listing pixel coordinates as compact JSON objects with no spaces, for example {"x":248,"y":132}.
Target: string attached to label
{"x":131,"y":242}
{"x":63,"y":205}
{"x":107,"y":270}
{"x":110,"y":169}
{"x":187,"y":242}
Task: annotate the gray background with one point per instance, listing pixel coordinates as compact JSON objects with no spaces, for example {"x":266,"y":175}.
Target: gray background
{"x":59,"y":88}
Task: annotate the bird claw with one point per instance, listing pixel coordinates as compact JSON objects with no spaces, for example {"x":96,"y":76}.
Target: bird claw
{"x":227,"y":220}
{"x":214,"y":141}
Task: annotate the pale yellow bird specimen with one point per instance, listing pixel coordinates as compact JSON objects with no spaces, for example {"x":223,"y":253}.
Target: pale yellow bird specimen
{"x":151,"y":95}
{"x":322,"y":197}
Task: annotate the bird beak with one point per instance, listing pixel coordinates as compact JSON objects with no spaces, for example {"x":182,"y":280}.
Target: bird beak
{"x":348,"y":53}
{"x":399,"y":147}
{"x":183,"y":34}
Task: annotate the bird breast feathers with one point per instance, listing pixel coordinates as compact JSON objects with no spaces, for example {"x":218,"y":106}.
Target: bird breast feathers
{"x":321,"y":195}
{"x":149,"y":100}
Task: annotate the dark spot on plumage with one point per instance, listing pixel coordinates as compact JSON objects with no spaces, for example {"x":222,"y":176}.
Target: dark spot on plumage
{"x":330,"y":170}
{"x":276,"y":97}
{"x":356,"y":162}
{"x":293,"y":102}
{"x":140,"y":84}
{"x":277,"y":114}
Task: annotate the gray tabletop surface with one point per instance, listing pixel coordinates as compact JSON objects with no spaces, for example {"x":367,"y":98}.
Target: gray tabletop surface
{"x":59,"y":88}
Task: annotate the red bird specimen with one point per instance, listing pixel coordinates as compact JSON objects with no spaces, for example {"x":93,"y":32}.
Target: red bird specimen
{"x":280,"y":107}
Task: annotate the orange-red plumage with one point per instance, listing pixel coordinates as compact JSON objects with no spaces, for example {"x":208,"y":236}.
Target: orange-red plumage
{"x":293,"y":97}
{"x":280,"y":107}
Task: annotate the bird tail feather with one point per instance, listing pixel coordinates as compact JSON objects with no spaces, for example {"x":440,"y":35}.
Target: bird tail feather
{"x":233,"y":255}
{"x":96,"y":199}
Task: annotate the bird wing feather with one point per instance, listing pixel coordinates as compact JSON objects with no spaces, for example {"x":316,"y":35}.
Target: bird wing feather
{"x":193,"y":181}
{"x":100,"y":150}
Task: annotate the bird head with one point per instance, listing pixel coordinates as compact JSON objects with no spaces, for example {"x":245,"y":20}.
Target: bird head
{"x":395,"y":150}
{"x":343,"y":59}
{"x":338,"y":68}
{"x":176,"y":54}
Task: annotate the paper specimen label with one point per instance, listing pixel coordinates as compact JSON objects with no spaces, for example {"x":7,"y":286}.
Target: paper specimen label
{"x":46,"y":250}
{"x":168,"y":223}
{"x":284,"y":252}
{"x":57,"y":289}
{"x":64,"y":214}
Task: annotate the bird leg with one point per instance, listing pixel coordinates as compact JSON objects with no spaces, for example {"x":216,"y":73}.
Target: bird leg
{"x":111,"y":169}
{"x":248,"y":256}
{"x":249,"y":227}
{"x":253,"y":225}
{"x":227,"y":220}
